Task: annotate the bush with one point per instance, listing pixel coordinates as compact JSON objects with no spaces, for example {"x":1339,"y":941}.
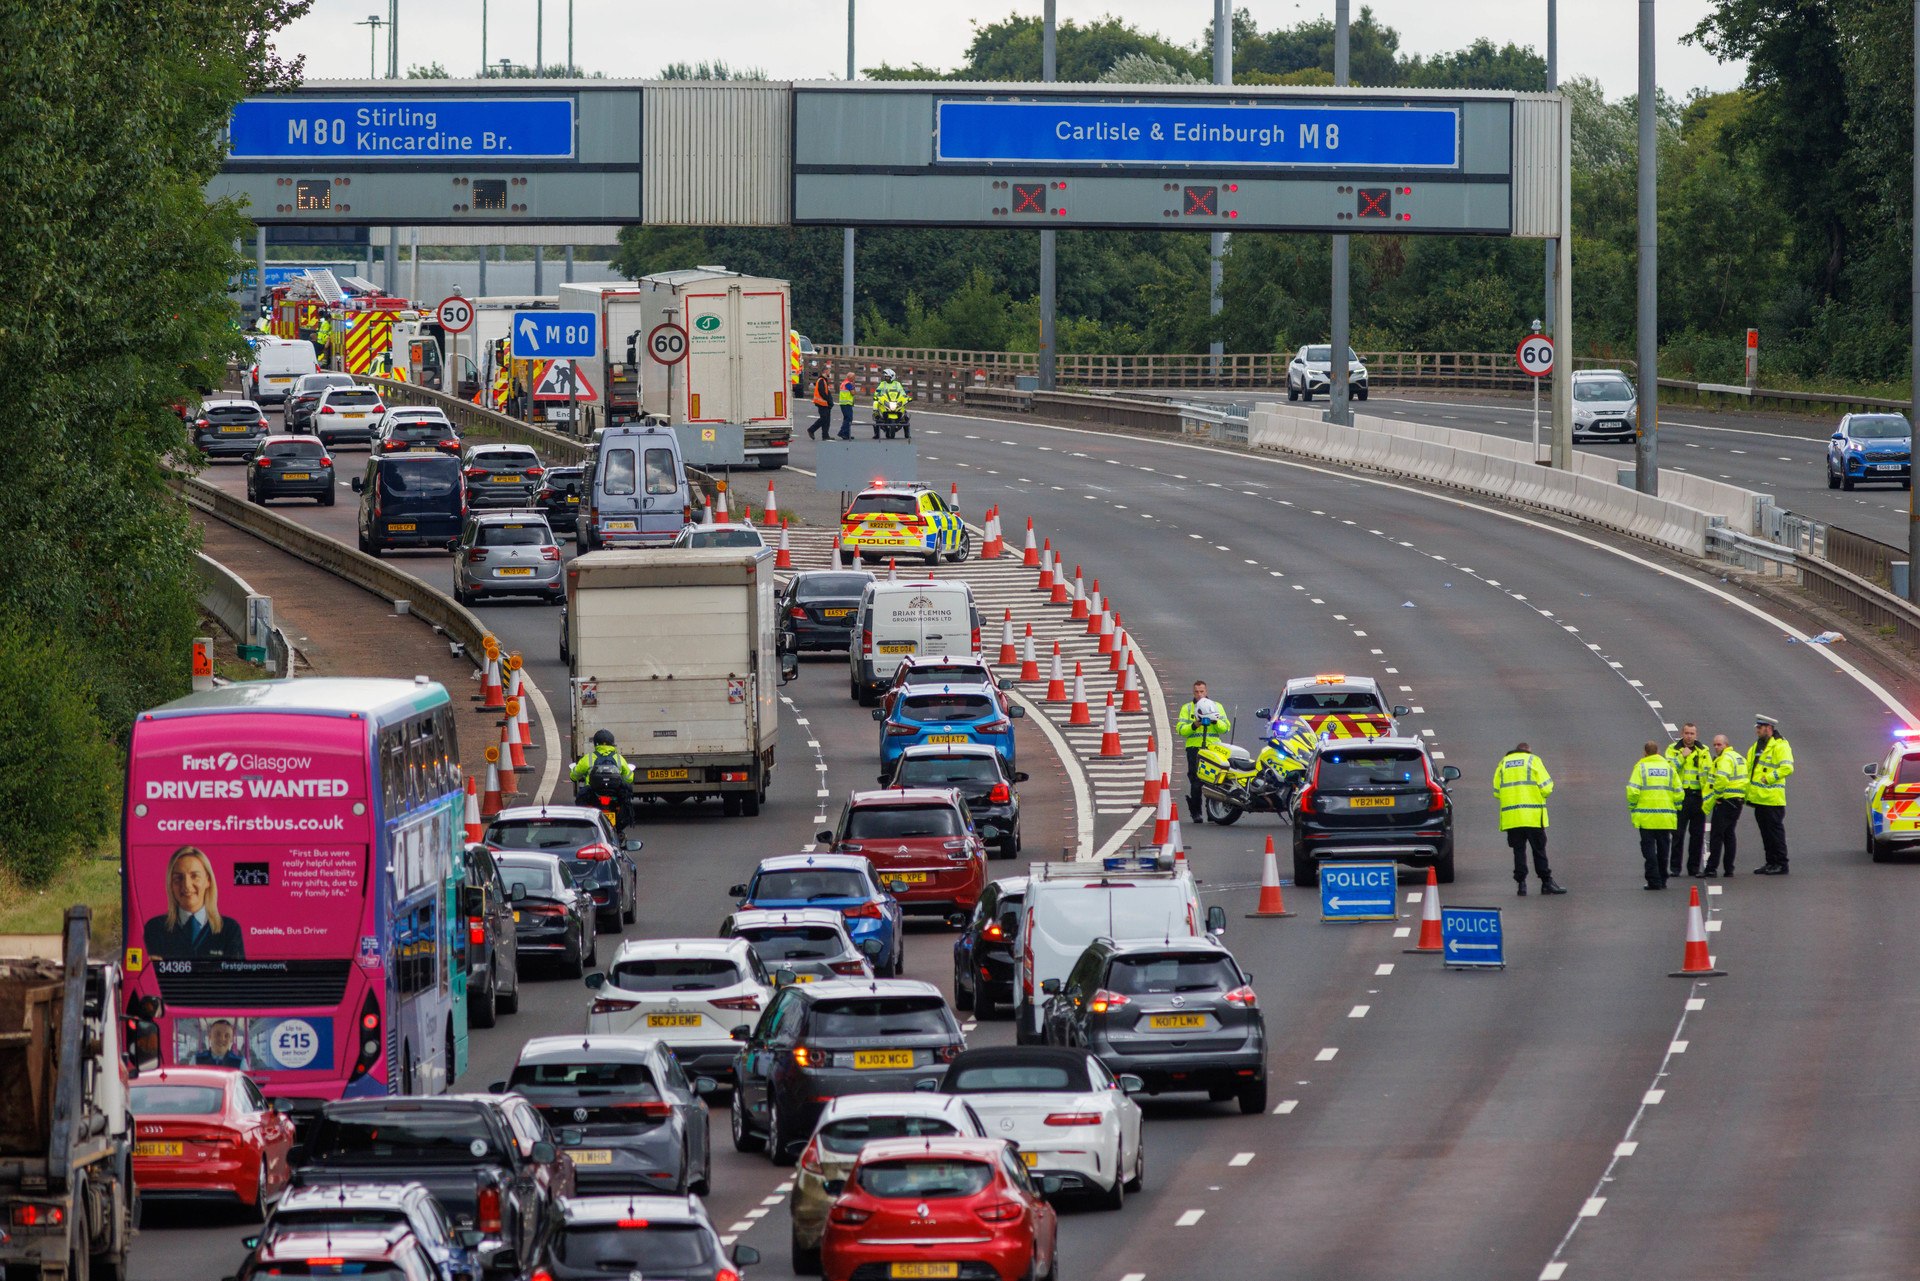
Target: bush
{"x":60,"y":769}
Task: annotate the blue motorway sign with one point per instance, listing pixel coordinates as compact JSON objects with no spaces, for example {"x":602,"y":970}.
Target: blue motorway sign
{"x":1359,"y":892}
{"x":1219,"y":135}
{"x":392,"y":128}
{"x":1471,"y":936}
{"x":553,"y":334}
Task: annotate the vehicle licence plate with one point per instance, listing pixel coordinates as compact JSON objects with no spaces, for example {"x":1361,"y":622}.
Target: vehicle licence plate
{"x":666,"y":776}
{"x":395,"y":527}
{"x":296,"y":475}
{"x":1370,"y":802}
{"x":591,"y":1156}
{"x":620,"y":525}
{"x":904,"y":1270}
{"x":1176,"y":1020}
{"x":911,"y":878}
{"x":947,"y":738}
{"x":355,"y":417}
{"x":897,"y":647}
{"x":513,"y":571}
{"x":886,"y":1059}
{"x":157,"y":1149}
{"x":233,"y":431}
{"x":573,"y":498}
{"x":1030,"y":1159}
{"x":504,"y":480}
{"x":835,"y":613}
{"x":673,"y":1020}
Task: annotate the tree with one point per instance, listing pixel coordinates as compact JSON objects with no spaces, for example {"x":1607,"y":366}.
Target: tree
{"x":429,"y":71}
{"x":715,"y":70}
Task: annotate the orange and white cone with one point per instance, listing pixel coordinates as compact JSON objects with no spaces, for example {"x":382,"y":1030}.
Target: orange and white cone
{"x":526,"y":715}
{"x":1062,"y":594}
{"x":493,"y":696}
{"x":1079,"y":714}
{"x":1271,"y":903}
{"x":953,"y":496}
{"x":1046,"y":561}
{"x":783,"y":559}
{"x":1029,"y":665}
{"x":746,"y":514}
{"x":1095,"y":610}
{"x":1695,"y":961}
{"x":990,"y":549}
{"x":893,"y":570}
{"x":1056,"y":684}
{"x":1106,"y":634}
{"x":508,"y":783}
{"x":720,"y":511}
{"x":1030,"y":556}
{"x":1149,"y":781}
{"x":1118,"y":657}
{"x":1175,"y":842}
{"x":1163,"y":813}
{"x":510,"y":735}
{"x":1079,"y":596}
{"x":490,"y":799}
{"x":1130,"y":690}
{"x":1008,"y":654}
{"x":772,"y":508}
{"x":706,"y":510}
{"x":1110,"y":732}
{"x":1429,"y":916}
{"x":476,"y":826}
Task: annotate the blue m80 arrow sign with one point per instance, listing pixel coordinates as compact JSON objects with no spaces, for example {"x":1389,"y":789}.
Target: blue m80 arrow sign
{"x":1471,"y":937}
{"x":1358,"y":892}
{"x":555,"y":334}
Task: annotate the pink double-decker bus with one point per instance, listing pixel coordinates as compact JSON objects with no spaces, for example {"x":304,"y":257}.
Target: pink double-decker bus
{"x":291,"y":860}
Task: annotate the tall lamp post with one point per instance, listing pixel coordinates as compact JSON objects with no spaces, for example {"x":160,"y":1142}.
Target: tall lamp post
{"x":373,"y":24}
{"x":846,"y":242}
{"x":1338,"y":410}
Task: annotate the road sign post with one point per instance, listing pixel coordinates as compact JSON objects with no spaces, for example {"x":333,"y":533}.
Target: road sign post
{"x":1535,"y":355}
{"x":1471,"y":938}
{"x":1359,"y":891}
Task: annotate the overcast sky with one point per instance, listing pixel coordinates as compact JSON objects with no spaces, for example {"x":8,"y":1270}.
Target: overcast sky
{"x":806,"y":39}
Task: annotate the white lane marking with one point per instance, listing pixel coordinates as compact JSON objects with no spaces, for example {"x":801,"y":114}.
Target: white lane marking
{"x":1241,"y":1158}
{"x":1358,"y":1011}
{"x":1403,"y":931}
{"x":1286,"y":1106}
{"x":1415,"y":896}
{"x":1326,"y":1055}
{"x":1385,"y":967}
{"x":1652,"y":1097}
{"x":773,"y":1200}
{"x":1188,"y":1219}
{"x":1678,"y":1047}
{"x":1626,"y":1149}
{"x":758,"y":1212}
{"x":743,"y":1226}
{"x":1592,"y":1208}
{"x":1553,"y":1272}
{"x":1696,"y":1003}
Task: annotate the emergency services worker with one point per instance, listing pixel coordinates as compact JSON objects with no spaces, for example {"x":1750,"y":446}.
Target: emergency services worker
{"x":1521,"y":786}
{"x":1200,"y":721}
{"x":1691,"y":761}
{"x":1653,"y":802}
{"x":846,"y":408}
{"x":1769,"y":765}
{"x":1726,"y":792}
{"x":822,"y":404}
{"x":323,"y":340}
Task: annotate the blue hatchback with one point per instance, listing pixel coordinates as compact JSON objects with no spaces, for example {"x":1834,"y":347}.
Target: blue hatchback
{"x":1870,"y":448}
{"x":946,"y":714}
{"x":844,"y":882}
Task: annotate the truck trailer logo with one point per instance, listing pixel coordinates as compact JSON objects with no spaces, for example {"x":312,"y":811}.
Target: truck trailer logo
{"x":706,"y":324}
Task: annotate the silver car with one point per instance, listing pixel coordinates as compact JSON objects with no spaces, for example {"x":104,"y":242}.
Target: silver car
{"x":1311,"y":369}
{"x":1605,"y":406}
{"x":507,"y":553}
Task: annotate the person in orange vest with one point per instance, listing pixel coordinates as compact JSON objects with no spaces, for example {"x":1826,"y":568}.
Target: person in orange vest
{"x":823,"y":404}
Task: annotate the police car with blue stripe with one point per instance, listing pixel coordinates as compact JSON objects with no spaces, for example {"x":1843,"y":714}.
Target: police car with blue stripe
{"x":900,"y":521}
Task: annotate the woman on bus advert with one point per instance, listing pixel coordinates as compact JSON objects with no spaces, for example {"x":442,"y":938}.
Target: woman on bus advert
{"x":192,"y":927}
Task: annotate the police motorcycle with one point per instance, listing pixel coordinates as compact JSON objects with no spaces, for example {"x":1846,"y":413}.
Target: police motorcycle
{"x":890,"y":414}
{"x":1233,"y":781}
{"x":608,"y":791}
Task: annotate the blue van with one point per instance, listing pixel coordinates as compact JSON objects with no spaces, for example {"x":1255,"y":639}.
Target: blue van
{"x":415,"y":499}
{"x":635,"y":489}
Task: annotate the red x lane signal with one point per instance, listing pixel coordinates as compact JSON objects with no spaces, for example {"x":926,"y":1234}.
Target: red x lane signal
{"x":1030,"y":199}
{"x":1201,"y":200}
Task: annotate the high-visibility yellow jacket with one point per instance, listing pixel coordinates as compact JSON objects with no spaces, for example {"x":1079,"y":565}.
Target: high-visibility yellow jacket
{"x":1653,"y":795}
{"x":1196,"y":733}
{"x":1726,"y":778}
{"x":1769,"y":765}
{"x":1690,"y":764}
{"x":1521,"y":786}
{"x":584,"y":766}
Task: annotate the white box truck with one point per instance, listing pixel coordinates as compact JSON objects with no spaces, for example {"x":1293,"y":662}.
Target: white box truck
{"x":673,"y":650}
{"x":735,"y":369}
{"x":614,"y":369}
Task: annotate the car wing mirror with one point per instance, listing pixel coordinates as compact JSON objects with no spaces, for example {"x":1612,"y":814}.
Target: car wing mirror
{"x":1019,"y":776}
{"x":1016,"y":712}
{"x":358,"y":484}
{"x":572,"y":1136}
{"x":595,"y":979}
{"x":834,"y":1187}
{"x":517,"y":891}
{"x":745,"y":1256}
{"x":881,"y":779}
{"x":871,"y":946}
{"x":1216,"y":919}
{"x":736,"y":891}
{"x":1871,"y":771}
{"x":925,"y":1085}
{"x":1448,"y":773}
{"x":1050,"y":986}
{"x":543,"y":1153}
{"x":1132,"y":1084}
{"x":705,"y":1085}
{"x":1050,"y":1184}
{"x":1401,"y":711}
{"x":898,"y":887}
{"x":497,"y":1087}
{"x":824,"y":837}
{"x":879,"y":714}
{"x":252,"y":1242}
{"x":789,"y":667}
{"x":1265,"y":713}
{"x":469,"y":1237}
{"x":741,"y":1033}
{"x":634,"y":846}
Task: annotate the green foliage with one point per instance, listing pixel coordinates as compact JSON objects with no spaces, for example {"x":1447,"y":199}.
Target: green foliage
{"x":59,"y":772}
{"x":428,"y":71}
{"x":715,"y":70}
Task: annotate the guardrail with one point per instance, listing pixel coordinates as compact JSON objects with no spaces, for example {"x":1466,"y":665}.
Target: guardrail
{"x":479,"y":420}
{"x":1070,"y":407}
{"x":1796,"y":556}
{"x":229,"y":598}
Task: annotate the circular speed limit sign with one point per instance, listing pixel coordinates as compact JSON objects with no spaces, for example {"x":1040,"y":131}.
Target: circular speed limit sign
{"x":667,"y":344}
{"x":455,"y":315}
{"x":1535,"y":355}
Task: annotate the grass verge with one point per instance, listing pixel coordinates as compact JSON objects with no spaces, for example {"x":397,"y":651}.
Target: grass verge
{"x":93,"y":879}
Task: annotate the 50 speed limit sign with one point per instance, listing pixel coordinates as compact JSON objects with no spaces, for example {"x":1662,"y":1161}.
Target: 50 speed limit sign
{"x":667,"y":344}
{"x":455,"y":315}
{"x":1535,"y":355}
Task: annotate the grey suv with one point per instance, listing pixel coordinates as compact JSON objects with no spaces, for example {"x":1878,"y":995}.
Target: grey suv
{"x":230,"y":428}
{"x":306,"y":394}
{"x":507,"y":554}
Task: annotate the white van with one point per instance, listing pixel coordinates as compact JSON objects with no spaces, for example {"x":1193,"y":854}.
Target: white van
{"x":911,"y":617}
{"x":277,"y":364}
{"x":1069,"y":905}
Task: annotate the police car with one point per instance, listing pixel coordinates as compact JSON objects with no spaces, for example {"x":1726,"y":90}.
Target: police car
{"x":901,"y":521}
{"x":1335,"y":705}
{"x":1893,"y":799}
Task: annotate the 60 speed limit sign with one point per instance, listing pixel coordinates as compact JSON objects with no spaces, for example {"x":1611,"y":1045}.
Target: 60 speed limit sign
{"x":1535,"y":354}
{"x":667,"y":344}
{"x":455,"y":314}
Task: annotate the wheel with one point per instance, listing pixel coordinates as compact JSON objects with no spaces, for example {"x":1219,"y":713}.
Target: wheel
{"x":962,"y":997}
{"x":80,"y":1252}
{"x":1361,"y":392}
{"x":772,"y":462}
{"x":631,"y":911}
{"x":1833,"y":481}
{"x":1253,"y":1098}
{"x":865,"y":694}
{"x":1139,"y":1179}
{"x":780,"y":1144}
{"x":750,"y":804}
{"x":576,"y":964}
{"x":1292,"y":394}
{"x":1880,"y":853}
{"x":965,"y":548}
{"x":1846,"y":481}
{"x":744,"y":1139}
{"x":326,"y":499}
{"x":484,"y":1010}
{"x":460,"y":596}
{"x":1305,"y":873}
{"x":253,"y":496}
{"x":509,"y":1002}
{"x":1222,"y":812}
{"x":593,"y":950}
{"x":365,"y":546}
{"x":806,"y":1261}
{"x":1116,"y":1196}
{"x":985,"y":1006}
{"x":257,"y":1212}
{"x":730,"y":805}
{"x":1443,"y":867}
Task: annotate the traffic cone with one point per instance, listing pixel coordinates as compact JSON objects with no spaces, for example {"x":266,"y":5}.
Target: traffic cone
{"x":1079,"y":596}
{"x":1046,"y":561}
{"x":1056,"y":685}
{"x":893,"y":570}
{"x":1122,"y":655}
{"x":1175,"y":842}
{"x":1696,"y":962}
{"x":490,"y":800}
{"x":476,"y":826}
{"x":1062,"y":594}
{"x":1271,"y":902}
{"x":1078,"y":713}
{"x":953,"y":496}
{"x":746,"y":514}
{"x":493,"y":697}
{"x":783,"y":559}
{"x":1149,"y":781}
{"x":1429,"y":916}
{"x":1179,"y":849}
{"x":1130,"y":689}
{"x":509,"y":784}
{"x":1105,"y":632}
{"x":1163,"y":813}
{"x":720,"y":510}
{"x":706,"y":510}
{"x":526,"y":717}
{"x":510,"y":735}
{"x":990,"y":549}
{"x":772,"y":507}
{"x":1110,"y":733}
{"x":1030,"y":556}
{"x":1094,"y":610}
{"x":1008,"y":654}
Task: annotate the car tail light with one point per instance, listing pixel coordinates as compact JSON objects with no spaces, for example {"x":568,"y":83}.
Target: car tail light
{"x":327,"y":1261}
{"x":848,"y":1215}
{"x":866,"y":641}
{"x":1000,"y":794}
{"x":1307,"y":795}
{"x":199,"y":422}
{"x":1000,"y":726}
{"x":796,"y":612}
{"x":610,"y":1005}
{"x":35,"y":1216}
{"x":475,"y":473}
{"x":487,"y":1211}
{"x":806,"y":1056}
{"x":476,"y":931}
{"x":976,"y":640}
{"x":325,"y":461}
{"x":326,"y":409}
{"x":653,"y":1109}
{"x":449,"y":444}
{"x":475,"y":555}
{"x":263,"y":424}
{"x":726,"y":1274}
{"x":748,"y":1002}
{"x":810,"y":1158}
{"x":536,"y":471}
{"x":391,"y":444}
{"x":1436,"y":797}
{"x":371,"y":1039}
{"x":265,"y":463}
{"x":946,"y":1053}
{"x":1242,"y":996}
{"x":1073,"y":1118}
{"x":596,"y":853}
{"x":993,"y":933}
{"x":631,"y":1223}
{"x":896,"y":728}
{"x":1001,"y":1211}
{"x":540,"y":1274}
{"x":855,"y":968}
{"x":862,"y":911}
{"x":1104,"y":1000}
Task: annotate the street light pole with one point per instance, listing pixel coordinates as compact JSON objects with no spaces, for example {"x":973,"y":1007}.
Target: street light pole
{"x":1217,"y":246}
{"x":846,"y":243}
{"x":373,"y":24}
{"x":1646,"y":460}
{"x":1913,"y":513}
{"x":539,"y":37}
{"x":483,"y":38}
{"x":1049,"y":281}
{"x":1553,"y":83}
{"x":393,"y":39}
{"x":1338,"y":410}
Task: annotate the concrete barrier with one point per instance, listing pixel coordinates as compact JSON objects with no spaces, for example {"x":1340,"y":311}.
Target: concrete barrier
{"x":228,"y":597}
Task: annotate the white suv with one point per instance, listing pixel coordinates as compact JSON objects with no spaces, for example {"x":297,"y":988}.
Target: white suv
{"x":689,"y":993}
{"x":1605,"y":406}
{"x":1311,"y":371}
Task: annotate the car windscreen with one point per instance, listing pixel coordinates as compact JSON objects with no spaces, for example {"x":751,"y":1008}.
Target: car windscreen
{"x":504,"y":534}
{"x":1324,"y":354}
{"x":1010,"y":1078}
{"x":584,"y":1076}
{"x":806,"y":884}
{"x":831,"y":587}
{"x":331,"y":1266}
{"x":360,"y":1216}
{"x":1602,"y":389}
{"x":924,"y":1179}
{"x":353,"y":398}
{"x":1171,"y":972}
{"x":945,"y":706}
{"x":869,"y":1016}
{"x":418,"y":429}
{"x":230,"y":413}
{"x":946,"y":771}
{"x":663,"y":477}
{"x":879,"y":822}
{"x":422,"y":477}
{"x":724,"y":538}
{"x":537,"y":877}
{"x":434,"y":1135}
{"x":1878,"y":427}
{"x":676,"y":974}
{"x":1333,"y":700}
{"x":848,"y":1136}
{"x":1908,"y":770}
{"x":296,"y":449}
{"x":176,"y":1100}
{"x":551,"y":835}
{"x":658,"y":1247}
{"x":506,"y":460}
{"x":885,"y":505}
{"x":1343,"y":769}
{"x":777,"y":943}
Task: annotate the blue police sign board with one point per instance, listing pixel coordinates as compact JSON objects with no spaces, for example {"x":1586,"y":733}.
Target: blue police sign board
{"x":1219,"y":135}
{"x":421,"y":128}
{"x":555,"y":334}
{"x":1359,"y":892}
{"x":1470,"y":937}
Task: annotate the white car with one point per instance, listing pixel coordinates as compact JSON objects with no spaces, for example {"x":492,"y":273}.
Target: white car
{"x":1071,"y":1116}
{"x":800,"y":944}
{"x":1311,"y":371}
{"x":1605,"y":406}
{"x":346,"y":414}
{"x":719,"y":534}
{"x":693,"y":993}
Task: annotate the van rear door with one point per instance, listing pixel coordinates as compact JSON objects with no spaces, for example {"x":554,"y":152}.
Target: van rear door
{"x":944,"y":617}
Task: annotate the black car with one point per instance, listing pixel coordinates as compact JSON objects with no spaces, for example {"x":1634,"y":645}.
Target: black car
{"x":414,"y":499}
{"x":560,"y":494}
{"x":228,"y":428}
{"x":817,"y":608}
{"x":984,"y":962}
{"x":300,"y":402}
{"x":978,"y":773}
{"x":1179,"y":1014}
{"x":617,"y":1238}
{"x":817,"y":1041}
{"x":555,"y":917}
{"x":598,"y":861}
{"x":622,"y":1109}
{"x":291,"y":467}
{"x":503,"y":476}
{"x":493,"y":940}
{"x":1373,"y":798}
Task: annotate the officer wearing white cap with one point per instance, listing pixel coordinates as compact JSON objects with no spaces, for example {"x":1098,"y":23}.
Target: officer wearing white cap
{"x":1769,"y":765}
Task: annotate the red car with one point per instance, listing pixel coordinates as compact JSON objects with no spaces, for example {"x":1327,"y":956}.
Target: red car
{"x":921,"y":843}
{"x":958,"y":1208}
{"x":207,"y":1134}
